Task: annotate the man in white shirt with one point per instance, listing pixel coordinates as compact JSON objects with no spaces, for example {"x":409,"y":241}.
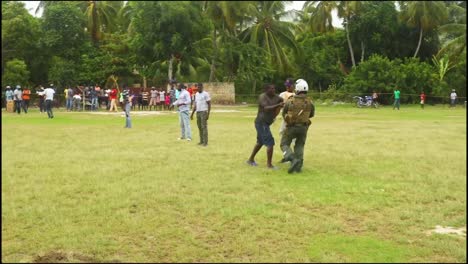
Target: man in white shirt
{"x":49,"y":98}
{"x":183,"y":102}
{"x":203,"y":107}
{"x":453,"y":98}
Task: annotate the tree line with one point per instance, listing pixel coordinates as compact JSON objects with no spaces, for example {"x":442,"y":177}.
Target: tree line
{"x":415,"y":45}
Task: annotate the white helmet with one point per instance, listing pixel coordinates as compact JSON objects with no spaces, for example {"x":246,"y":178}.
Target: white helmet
{"x":301,"y":86}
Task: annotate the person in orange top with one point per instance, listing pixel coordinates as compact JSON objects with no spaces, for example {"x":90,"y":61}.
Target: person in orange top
{"x":194,"y":92}
{"x":26,"y":98}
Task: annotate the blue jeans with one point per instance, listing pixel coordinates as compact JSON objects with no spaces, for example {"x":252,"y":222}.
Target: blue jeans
{"x":69,"y":103}
{"x":94,"y":103}
{"x":184,"y":120}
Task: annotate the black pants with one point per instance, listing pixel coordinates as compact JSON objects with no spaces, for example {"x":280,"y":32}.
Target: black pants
{"x":19,"y":105}
{"x":41,"y":105}
{"x":48,"y":106}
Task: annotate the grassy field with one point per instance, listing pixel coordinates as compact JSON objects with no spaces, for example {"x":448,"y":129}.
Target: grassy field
{"x":81,"y":188}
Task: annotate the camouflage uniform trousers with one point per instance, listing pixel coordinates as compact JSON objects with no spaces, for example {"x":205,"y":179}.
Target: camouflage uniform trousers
{"x":298,"y":132}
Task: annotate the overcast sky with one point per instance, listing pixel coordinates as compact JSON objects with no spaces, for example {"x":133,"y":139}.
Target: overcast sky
{"x":32,"y":5}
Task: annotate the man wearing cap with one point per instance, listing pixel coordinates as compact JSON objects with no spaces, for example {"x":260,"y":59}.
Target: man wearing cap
{"x":183,"y":102}
{"x":203,"y":107}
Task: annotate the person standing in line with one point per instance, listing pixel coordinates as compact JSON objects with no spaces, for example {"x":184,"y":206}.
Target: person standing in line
{"x":94,"y":98}
{"x":183,"y":103}
{"x":167,"y":102}
{"x":70,"y":94}
{"x":453,"y":98}
{"x":18,"y":97}
{"x":49,"y":98}
{"x":396,"y":95}
{"x":162,"y":98}
{"x":154,"y":98}
{"x":422,"y":96}
{"x":297,"y":112}
{"x":113,"y":97}
{"x":269,"y":105}
{"x":202,"y":106}
{"x":144,"y":98}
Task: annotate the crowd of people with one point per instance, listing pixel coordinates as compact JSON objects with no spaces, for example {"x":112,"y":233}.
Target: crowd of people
{"x":297,"y":110}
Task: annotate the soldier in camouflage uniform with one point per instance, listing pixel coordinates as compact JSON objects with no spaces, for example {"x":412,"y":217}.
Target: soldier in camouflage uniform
{"x":297,"y":113}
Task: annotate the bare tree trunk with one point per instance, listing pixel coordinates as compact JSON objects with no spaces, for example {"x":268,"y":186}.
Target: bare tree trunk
{"x":363,"y":49}
{"x":169,"y":71}
{"x":419,"y":43}
{"x":320,"y":90}
{"x":213,"y":59}
{"x":144,"y":82}
{"x":254,"y":88}
{"x":349,"y":45}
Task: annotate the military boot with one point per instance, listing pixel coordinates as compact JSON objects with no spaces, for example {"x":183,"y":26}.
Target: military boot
{"x":299,"y":166}
{"x":294,"y":163}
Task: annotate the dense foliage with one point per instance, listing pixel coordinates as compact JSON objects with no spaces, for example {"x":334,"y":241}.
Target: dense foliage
{"x":413,"y":45}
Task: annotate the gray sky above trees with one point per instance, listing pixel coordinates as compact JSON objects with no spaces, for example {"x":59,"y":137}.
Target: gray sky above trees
{"x":32,"y":5}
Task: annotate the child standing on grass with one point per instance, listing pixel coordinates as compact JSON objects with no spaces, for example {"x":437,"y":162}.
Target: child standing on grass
{"x":168,"y":101}
{"x":128,"y":105}
{"x":422,"y":96}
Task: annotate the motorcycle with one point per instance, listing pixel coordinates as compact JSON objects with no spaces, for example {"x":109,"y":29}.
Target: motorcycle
{"x":365,"y":102}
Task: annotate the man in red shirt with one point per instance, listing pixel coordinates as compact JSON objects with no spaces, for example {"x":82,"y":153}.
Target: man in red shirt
{"x":113,"y":97}
{"x":422,"y":96}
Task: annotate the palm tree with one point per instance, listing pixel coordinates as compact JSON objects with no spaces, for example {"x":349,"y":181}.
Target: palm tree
{"x":225,"y":15}
{"x":347,"y":9}
{"x":45,"y":4}
{"x":425,"y":15}
{"x":320,"y":15}
{"x":270,"y":33}
{"x":101,"y":17}
{"x":454,"y":35}
{"x":220,"y":16}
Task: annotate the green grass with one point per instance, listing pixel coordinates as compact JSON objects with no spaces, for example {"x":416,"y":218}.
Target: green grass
{"x":374,"y":181}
